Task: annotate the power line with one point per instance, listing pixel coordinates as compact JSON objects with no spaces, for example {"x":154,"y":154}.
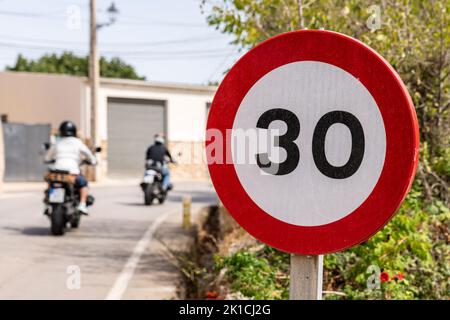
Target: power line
{"x":221,"y":64}
{"x":144,"y":52}
{"x":38,"y":47}
{"x":174,"y":58}
{"x":157,"y":56}
{"x":61,"y":45}
{"x":29,"y":14}
{"x":143,"y":19}
{"x":205,"y":38}
{"x":126,"y":22}
{"x":165,"y":42}
{"x":138,"y":52}
{"x":132,"y":22}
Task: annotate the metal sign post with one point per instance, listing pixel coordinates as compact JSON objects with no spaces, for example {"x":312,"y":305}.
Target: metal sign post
{"x":306,"y":277}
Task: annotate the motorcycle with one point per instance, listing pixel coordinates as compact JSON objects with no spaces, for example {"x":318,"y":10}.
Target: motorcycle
{"x":62,"y":200}
{"x":152,"y":183}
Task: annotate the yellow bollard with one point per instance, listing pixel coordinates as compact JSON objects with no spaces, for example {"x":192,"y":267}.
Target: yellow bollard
{"x":187,"y":201}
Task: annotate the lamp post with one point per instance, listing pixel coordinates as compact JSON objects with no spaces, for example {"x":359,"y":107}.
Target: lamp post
{"x":94,"y":67}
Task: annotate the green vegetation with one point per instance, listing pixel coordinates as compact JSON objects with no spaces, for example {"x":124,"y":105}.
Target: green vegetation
{"x":414,"y":245}
{"x":411,"y":257}
{"x":68,"y":63}
{"x":412,"y":251}
{"x":259,"y":275}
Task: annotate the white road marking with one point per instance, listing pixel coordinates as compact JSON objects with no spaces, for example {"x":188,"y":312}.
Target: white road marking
{"x":124,"y":278}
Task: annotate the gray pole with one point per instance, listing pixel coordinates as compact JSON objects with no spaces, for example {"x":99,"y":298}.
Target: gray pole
{"x":306,"y":277}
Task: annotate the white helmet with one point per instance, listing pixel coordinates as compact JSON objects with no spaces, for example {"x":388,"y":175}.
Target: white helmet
{"x":159,"y":139}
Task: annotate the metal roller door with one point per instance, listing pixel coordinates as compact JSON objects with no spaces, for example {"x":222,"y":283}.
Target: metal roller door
{"x":132,"y":123}
{"x":24,"y":157}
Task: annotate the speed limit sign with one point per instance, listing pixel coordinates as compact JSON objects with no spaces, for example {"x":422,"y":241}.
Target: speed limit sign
{"x":312,"y":142}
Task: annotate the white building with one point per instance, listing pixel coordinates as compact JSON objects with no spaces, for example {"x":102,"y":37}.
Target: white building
{"x":129,"y":113}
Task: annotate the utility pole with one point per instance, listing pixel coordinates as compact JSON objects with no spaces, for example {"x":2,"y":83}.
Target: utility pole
{"x":94,"y":67}
{"x":94,"y":73}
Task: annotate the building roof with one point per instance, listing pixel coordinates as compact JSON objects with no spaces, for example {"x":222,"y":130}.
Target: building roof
{"x":157,"y":85}
{"x":126,"y":82}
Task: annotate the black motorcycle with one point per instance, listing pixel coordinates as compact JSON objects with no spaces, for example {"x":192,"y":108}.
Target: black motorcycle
{"x":152,"y":183}
{"x":62,"y":199}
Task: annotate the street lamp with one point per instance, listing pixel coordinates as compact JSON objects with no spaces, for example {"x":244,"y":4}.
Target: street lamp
{"x":113,"y":13}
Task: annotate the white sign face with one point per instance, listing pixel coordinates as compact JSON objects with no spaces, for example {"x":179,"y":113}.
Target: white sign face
{"x":337,"y":117}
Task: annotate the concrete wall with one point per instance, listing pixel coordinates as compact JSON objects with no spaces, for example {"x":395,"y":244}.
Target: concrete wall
{"x":41,"y":98}
{"x":186,"y":108}
{"x":2,"y":157}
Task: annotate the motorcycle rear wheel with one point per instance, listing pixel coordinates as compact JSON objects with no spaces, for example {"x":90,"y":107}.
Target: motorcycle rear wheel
{"x":148,"y":195}
{"x":57,"y":220}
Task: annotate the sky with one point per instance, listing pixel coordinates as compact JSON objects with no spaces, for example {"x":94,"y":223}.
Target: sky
{"x":165,"y":40}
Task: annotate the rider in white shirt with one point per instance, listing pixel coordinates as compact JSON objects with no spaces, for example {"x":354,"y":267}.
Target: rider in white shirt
{"x":67,"y":153}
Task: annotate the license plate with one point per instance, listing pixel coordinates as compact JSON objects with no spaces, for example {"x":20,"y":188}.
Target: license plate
{"x":149,"y":178}
{"x":56,"y":195}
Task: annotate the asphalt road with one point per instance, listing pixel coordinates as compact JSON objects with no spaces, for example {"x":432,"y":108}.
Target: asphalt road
{"x":119,"y":252}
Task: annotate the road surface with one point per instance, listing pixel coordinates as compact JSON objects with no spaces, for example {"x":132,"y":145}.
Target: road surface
{"x":119,"y":251}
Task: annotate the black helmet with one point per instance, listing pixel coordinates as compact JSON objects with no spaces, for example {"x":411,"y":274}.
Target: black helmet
{"x":68,"y":129}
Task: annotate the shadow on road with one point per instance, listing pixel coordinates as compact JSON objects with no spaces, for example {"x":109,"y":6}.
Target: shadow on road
{"x":131,"y":204}
{"x":36,"y":231}
{"x":197,"y":196}
{"x":177,"y":196}
{"x":30,"y":231}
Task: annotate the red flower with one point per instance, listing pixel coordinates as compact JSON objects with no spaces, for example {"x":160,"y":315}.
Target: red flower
{"x":384,"y":276}
{"x":400,"y":276}
{"x":211,"y":295}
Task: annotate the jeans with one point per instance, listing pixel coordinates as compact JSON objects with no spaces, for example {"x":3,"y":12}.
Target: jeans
{"x":165,"y":177}
{"x":80,"y":182}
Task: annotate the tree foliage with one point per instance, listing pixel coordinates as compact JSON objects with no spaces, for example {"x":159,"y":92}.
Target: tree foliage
{"x":68,"y":63}
{"x":414,"y":36}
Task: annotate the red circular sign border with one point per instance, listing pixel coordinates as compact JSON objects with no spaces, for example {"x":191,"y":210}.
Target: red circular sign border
{"x":402,"y":140}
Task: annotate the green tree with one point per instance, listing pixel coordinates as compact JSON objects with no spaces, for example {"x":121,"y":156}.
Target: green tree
{"x":68,"y":63}
{"x":414,"y":36}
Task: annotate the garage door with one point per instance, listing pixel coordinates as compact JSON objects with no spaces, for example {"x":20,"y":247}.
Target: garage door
{"x":132,"y":124}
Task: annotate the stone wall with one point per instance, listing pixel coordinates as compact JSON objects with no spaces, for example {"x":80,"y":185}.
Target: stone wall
{"x":190,"y":157}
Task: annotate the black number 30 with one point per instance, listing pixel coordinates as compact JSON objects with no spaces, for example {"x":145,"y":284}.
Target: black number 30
{"x":286,"y":142}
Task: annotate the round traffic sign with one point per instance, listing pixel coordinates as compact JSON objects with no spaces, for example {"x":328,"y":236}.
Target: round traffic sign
{"x":312,"y":142}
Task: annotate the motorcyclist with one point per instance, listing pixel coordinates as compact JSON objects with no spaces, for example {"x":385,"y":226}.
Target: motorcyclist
{"x":158,"y":153}
{"x":67,"y":154}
